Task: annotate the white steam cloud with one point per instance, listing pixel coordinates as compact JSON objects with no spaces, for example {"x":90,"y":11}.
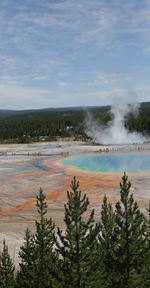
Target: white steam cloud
{"x":115,"y":132}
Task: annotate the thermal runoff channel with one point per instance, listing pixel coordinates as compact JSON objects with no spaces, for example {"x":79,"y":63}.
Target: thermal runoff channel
{"x":111,"y":162}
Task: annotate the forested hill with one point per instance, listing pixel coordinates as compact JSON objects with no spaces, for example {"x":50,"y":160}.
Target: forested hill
{"x":4,"y":113}
{"x":51,"y":123}
{"x":145,"y":105}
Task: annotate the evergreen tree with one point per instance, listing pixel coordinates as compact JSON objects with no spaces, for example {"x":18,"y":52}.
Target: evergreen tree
{"x":131,"y":229}
{"x":108,"y":247}
{"x":6,"y":269}
{"x":44,"y":239}
{"x":148,"y":226}
{"x":143,"y":280}
{"x":26,"y":276}
{"x":77,"y":246}
{"x":39,"y":263}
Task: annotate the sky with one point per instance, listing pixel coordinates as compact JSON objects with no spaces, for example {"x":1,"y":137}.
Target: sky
{"x":64,"y":53}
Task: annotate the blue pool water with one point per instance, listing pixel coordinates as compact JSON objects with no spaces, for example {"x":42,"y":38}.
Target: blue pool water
{"x":115,"y":162}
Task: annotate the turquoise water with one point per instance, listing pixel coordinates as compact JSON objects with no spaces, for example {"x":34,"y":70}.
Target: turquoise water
{"x":115,"y":162}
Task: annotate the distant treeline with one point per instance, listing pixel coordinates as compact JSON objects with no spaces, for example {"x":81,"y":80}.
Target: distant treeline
{"x":50,"y":124}
{"x":115,"y":252}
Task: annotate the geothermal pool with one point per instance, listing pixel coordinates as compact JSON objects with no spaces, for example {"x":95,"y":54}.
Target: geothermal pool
{"x":111,"y":162}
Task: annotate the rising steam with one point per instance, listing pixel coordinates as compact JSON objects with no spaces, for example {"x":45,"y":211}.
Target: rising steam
{"x":115,"y":132}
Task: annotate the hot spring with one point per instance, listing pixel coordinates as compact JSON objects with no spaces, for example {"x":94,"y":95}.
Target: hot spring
{"x":111,"y":162}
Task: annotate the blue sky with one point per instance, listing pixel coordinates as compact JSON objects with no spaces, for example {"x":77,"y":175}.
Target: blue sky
{"x":58,"y":53}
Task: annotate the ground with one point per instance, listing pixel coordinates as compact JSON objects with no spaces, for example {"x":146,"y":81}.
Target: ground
{"x":26,"y":168}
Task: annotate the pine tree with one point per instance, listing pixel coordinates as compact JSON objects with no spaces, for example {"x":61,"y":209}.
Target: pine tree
{"x":77,"y":246}
{"x":6,"y":269}
{"x":44,"y":239}
{"x":108,"y":247}
{"x":39,"y":263}
{"x":26,"y":276}
{"x":143,"y":279}
{"x":131,"y":229}
{"x":148,"y":226}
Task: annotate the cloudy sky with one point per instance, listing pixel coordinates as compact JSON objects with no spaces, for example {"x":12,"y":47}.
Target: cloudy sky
{"x":57,"y":53}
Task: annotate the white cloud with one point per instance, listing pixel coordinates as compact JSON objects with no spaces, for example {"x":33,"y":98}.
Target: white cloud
{"x":9,"y":80}
{"x":17,"y":97}
{"x":8,"y":63}
{"x":41,"y":77}
{"x":105,"y":97}
{"x":63,"y":84}
{"x":98,"y":21}
{"x":62,"y":74}
{"x":49,"y":40}
{"x":106,"y":78}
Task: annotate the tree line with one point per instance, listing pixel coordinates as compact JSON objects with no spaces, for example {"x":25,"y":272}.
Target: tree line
{"x":31,"y":126}
{"x":112,"y":253}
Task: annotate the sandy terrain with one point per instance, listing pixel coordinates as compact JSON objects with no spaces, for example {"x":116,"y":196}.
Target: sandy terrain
{"x":26,"y":168}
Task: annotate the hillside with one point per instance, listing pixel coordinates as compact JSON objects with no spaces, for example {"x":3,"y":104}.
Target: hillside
{"x":51,"y":123}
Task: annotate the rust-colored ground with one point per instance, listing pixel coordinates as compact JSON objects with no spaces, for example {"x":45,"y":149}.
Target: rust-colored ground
{"x":89,"y":184}
{"x":19,"y":189}
{"x":55,"y":182}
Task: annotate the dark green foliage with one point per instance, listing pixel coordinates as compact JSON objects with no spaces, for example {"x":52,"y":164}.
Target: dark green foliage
{"x":148,"y":225}
{"x":44,"y":239}
{"x":131,"y":228}
{"x":30,"y":125}
{"x":108,"y":247}
{"x":39,"y":263}
{"x":140,"y":123}
{"x":77,"y":246}
{"x":143,"y":280}
{"x":27,"y":254}
{"x":6,"y":269}
{"x":114,"y":253}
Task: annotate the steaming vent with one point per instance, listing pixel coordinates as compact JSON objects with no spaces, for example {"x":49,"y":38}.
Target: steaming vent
{"x":115,"y":132}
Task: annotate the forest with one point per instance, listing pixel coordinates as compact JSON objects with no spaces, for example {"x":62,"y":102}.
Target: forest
{"x":51,"y":124}
{"x":115,"y":252}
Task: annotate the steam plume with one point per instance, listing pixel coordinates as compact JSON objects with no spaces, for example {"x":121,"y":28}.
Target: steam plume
{"x":115,"y":132}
